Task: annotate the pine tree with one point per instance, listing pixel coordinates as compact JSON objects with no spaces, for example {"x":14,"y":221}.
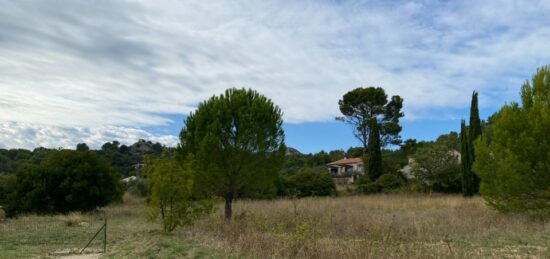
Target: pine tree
{"x":514,"y":163}
{"x":374,"y":166}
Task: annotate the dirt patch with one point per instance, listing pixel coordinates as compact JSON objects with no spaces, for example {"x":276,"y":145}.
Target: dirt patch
{"x":82,"y":256}
{"x":75,"y":254}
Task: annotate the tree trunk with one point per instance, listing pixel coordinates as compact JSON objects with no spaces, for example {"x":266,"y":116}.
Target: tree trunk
{"x":228,"y":206}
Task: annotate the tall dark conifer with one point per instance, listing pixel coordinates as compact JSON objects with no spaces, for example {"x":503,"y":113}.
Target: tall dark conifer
{"x":473,"y":133}
{"x":374,"y":165}
{"x":470,"y":181}
{"x":465,"y":160}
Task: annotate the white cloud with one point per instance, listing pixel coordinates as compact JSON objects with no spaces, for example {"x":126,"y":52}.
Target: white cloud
{"x":97,"y":64}
{"x":30,"y":136}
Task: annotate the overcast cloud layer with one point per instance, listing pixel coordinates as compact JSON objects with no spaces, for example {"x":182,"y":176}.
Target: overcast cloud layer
{"x":95,"y":71}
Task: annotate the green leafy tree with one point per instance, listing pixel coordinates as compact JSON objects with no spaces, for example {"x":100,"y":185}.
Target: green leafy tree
{"x":172,"y":197}
{"x":237,"y":141}
{"x":320,"y":159}
{"x":436,"y":165}
{"x":470,"y":181}
{"x":65,"y":181}
{"x":336,"y":155}
{"x":364,"y":107}
{"x":354,"y":152}
{"x":515,"y":165}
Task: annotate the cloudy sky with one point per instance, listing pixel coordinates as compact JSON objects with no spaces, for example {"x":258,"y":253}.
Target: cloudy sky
{"x":96,"y":71}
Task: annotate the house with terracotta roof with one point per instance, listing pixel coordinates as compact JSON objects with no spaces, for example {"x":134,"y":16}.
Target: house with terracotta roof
{"x":345,"y":171}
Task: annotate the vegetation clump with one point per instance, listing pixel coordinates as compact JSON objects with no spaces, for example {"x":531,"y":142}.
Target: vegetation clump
{"x":514,"y":164}
{"x":173,"y":199}
{"x":65,"y":181}
{"x":308,"y":182}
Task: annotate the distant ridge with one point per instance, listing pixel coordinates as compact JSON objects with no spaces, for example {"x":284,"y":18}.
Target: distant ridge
{"x":292,"y":152}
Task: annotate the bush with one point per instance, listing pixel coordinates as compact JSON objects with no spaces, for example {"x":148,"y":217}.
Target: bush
{"x":172,"y":197}
{"x":138,"y":187}
{"x":437,"y":165}
{"x":384,"y":184}
{"x":309,"y":182}
{"x":65,"y":181}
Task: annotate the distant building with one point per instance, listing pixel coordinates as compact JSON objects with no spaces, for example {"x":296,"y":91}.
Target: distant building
{"x":346,"y":171}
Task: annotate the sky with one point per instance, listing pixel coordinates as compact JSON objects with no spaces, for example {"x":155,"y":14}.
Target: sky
{"x":97,"y":71}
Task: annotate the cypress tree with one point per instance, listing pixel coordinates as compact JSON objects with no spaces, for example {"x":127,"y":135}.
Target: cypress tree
{"x":465,"y":160}
{"x":374,"y":166}
{"x":473,"y":133}
{"x":470,"y":181}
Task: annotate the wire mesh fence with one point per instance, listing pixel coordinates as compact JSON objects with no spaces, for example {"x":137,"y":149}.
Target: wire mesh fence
{"x":38,"y":236}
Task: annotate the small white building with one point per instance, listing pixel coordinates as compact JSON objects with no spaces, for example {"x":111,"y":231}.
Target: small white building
{"x":345,"y":171}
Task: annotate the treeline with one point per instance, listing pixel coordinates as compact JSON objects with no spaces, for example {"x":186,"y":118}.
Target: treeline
{"x":125,"y":159}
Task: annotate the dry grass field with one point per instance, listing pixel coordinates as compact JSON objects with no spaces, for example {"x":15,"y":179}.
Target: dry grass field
{"x":380,"y":226}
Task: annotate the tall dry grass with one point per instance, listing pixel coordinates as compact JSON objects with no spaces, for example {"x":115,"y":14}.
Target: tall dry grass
{"x":383,"y":226}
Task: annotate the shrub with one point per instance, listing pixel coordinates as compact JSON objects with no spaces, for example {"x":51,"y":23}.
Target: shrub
{"x":138,"y":187}
{"x":437,"y":165}
{"x":309,"y":182}
{"x":65,"y":181}
{"x":172,"y":197}
{"x":74,"y":219}
{"x":385,"y":183}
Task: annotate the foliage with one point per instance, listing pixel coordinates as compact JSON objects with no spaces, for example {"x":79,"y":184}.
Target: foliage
{"x":393,"y":160}
{"x":172,"y":198}
{"x":138,"y":187}
{"x":436,"y":165}
{"x":308,"y":182}
{"x":123,"y":158}
{"x":470,"y":181}
{"x":364,"y":107}
{"x":465,"y":165}
{"x":82,"y":147}
{"x":409,"y":146}
{"x":65,"y":181}
{"x":238,"y":143}
{"x":374,"y":157}
{"x":13,"y":158}
{"x":321,"y":158}
{"x":7,"y":188}
{"x":384,"y":184}
{"x":515,"y":165}
{"x":336,"y":155}
{"x":354,"y":152}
